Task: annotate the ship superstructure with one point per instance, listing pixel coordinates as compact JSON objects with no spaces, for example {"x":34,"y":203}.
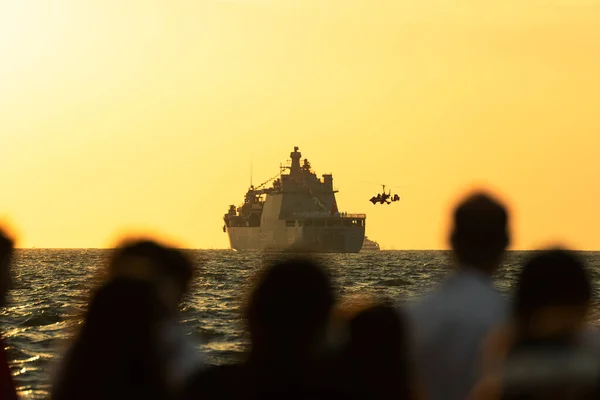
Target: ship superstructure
{"x":299,"y":211}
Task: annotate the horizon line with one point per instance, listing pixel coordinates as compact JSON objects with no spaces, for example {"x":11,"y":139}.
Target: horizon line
{"x":230,"y":249}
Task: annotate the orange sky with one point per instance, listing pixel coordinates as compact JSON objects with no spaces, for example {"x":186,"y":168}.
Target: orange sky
{"x":133,"y":116}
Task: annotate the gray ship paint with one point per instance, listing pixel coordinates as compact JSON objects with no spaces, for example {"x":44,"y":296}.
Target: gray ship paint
{"x":298,"y":212}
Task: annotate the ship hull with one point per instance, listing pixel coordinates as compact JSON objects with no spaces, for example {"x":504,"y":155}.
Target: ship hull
{"x":306,"y":240}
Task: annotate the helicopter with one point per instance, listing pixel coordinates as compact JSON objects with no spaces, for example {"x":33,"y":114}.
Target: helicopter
{"x":384,"y":197}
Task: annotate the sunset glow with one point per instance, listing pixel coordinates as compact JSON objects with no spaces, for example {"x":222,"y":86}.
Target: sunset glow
{"x":145,"y":116}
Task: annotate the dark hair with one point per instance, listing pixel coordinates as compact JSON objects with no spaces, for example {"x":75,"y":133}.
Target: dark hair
{"x":118,"y":352}
{"x":6,"y":247}
{"x":376,"y":362}
{"x":480,"y":233}
{"x":551,"y":278}
{"x":165,"y":261}
{"x":379,"y":327}
{"x":6,"y":252}
{"x":291,"y":301}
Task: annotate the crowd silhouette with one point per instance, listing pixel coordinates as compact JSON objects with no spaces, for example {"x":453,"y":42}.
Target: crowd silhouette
{"x":463,"y":341}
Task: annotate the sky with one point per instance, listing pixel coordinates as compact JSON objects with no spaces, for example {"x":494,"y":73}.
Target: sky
{"x":143,"y":117}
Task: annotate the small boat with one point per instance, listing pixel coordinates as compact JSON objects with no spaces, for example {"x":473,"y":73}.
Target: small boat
{"x":370,"y":245}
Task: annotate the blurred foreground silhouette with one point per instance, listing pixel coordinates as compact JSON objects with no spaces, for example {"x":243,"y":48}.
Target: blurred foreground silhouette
{"x":452,"y":322}
{"x":540,"y":353}
{"x":118,"y":353}
{"x":7,"y":386}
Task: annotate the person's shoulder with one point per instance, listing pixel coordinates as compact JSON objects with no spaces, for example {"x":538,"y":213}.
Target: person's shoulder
{"x":460,"y":311}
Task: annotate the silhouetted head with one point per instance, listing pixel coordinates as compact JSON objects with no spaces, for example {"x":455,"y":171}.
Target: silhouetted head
{"x":118,"y":352}
{"x":289,"y":307}
{"x":378,"y":333}
{"x":6,"y":251}
{"x":123,"y":307}
{"x":150,"y":261}
{"x":376,"y":361}
{"x":553,"y":294}
{"x":480,"y":234}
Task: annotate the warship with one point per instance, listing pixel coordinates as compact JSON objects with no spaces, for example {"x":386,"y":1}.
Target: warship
{"x":297,"y":212}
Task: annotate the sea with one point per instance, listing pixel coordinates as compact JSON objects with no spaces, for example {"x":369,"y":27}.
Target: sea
{"x":52,"y":287}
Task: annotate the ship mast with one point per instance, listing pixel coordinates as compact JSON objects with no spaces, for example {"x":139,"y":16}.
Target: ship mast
{"x":295,"y":169}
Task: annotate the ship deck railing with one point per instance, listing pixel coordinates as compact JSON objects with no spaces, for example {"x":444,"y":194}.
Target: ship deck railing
{"x":350,"y":215}
{"x":327,"y":215}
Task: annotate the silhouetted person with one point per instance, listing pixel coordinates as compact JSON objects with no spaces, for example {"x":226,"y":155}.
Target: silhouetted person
{"x":450,"y":324}
{"x":171,"y":271}
{"x":287,"y":316}
{"x":288,"y":312}
{"x":376,"y":363}
{"x":148,"y":260}
{"x":540,"y":353}
{"x":7,"y":386}
{"x":119,"y":352}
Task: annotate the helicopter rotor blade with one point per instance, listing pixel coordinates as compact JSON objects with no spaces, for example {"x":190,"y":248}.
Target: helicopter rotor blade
{"x":381,"y":184}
